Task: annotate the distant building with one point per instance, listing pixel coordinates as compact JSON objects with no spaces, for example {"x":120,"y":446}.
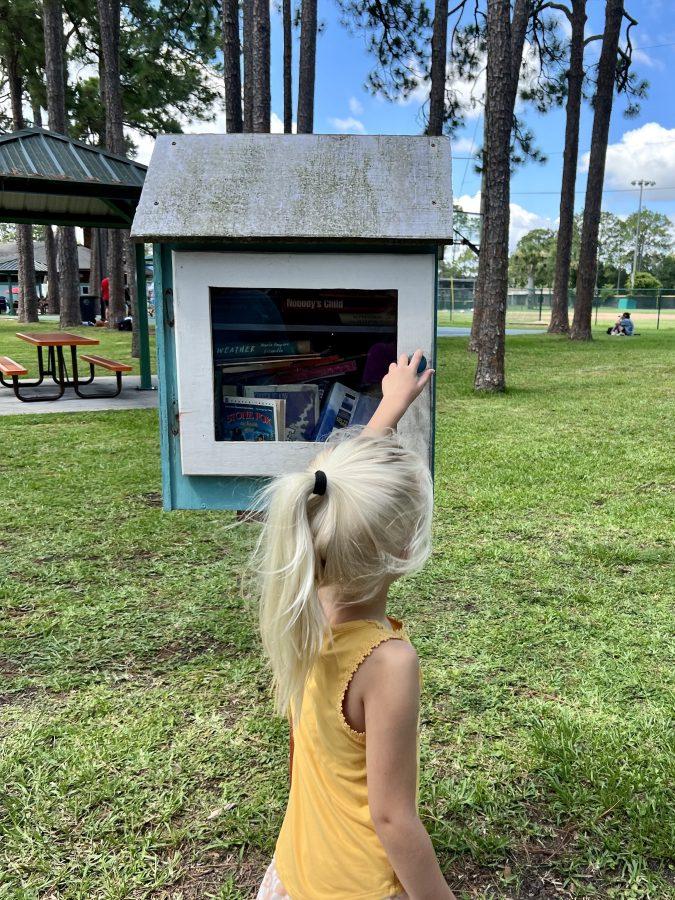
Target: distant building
{"x":9,"y":269}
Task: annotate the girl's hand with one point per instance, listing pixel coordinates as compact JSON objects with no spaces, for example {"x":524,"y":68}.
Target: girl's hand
{"x":400,"y":386}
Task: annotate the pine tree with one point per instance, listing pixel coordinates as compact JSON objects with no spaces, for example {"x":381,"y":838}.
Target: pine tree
{"x":109,"y":22}
{"x":307,"y":74}
{"x":288,"y":65}
{"x":232,"y":66}
{"x":604,"y":95}
{"x":261,"y":101}
{"x":16,"y":34}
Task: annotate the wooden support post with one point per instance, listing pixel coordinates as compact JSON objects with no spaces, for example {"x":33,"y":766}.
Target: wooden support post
{"x":142,"y":324}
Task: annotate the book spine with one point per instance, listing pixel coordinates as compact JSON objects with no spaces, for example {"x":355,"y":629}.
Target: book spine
{"x":242,"y":350}
{"x":319,"y":372}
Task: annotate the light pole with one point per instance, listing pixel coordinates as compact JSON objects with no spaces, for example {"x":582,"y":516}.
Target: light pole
{"x":642,"y":183}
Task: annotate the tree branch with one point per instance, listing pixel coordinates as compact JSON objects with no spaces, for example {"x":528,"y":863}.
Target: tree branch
{"x":558,"y":6}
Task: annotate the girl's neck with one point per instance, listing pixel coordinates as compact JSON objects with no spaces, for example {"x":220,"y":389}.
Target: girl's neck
{"x":338,"y":611}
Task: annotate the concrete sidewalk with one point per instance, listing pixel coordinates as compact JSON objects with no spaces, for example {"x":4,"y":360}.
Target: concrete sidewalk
{"x":130,"y":398}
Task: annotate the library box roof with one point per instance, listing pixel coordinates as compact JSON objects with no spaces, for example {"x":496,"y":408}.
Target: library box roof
{"x":312,"y":188}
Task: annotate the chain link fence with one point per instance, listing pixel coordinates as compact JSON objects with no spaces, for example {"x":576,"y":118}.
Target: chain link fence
{"x":655,"y":306}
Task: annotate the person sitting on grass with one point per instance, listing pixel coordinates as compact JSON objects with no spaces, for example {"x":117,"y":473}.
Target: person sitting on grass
{"x":623,"y":325}
{"x":335,"y":537}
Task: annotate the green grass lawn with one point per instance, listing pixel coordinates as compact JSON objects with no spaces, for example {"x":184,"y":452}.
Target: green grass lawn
{"x":138,"y":755}
{"x":114,"y":344}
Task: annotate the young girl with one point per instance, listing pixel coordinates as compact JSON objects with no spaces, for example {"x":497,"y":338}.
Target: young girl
{"x":334,"y":540}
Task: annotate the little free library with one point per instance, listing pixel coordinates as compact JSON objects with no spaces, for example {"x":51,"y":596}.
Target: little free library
{"x":290,"y":271}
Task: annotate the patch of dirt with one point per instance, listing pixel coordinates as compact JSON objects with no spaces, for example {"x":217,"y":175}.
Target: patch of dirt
{"x":188,"y":649}
{"x":21,"y":697}
{"x":479,"y":881}
{"x":205,"y":877}
{"x":152,"y":498}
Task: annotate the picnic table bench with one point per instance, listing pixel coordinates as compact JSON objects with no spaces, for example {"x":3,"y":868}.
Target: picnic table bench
{"x":110,"y":364}
{"x":56,"y":366}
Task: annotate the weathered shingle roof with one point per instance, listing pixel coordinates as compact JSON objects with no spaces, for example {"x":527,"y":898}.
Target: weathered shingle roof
{"x":9,"y":257}
{"x":392,"y":189}
{"x":50,"y":178}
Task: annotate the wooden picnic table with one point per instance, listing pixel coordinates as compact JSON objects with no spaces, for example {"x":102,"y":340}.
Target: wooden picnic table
{"x":54,"y":342}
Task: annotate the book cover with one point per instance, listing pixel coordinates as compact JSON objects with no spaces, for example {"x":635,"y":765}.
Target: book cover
{"x":302,"y":406}
{"x":344,"y":407}
{"x":249,"y":419}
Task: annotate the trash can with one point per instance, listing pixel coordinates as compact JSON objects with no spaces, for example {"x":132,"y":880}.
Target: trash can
{"x":87,"y":308}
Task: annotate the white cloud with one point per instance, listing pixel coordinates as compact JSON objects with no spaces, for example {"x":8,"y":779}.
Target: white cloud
{"x":521,"y":220}
{"x":351,"y":125}
{"x":355,"y":106}
{"x":645,"y":152}
{"x":464,"y":145}
{"x":277,"y":125}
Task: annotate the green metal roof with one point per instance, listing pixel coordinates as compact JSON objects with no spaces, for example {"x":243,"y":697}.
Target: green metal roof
{"x":50,"y":179}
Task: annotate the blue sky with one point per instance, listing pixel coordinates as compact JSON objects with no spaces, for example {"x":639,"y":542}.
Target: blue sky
{"x":642,"y":147}
{"x":343,"y":64}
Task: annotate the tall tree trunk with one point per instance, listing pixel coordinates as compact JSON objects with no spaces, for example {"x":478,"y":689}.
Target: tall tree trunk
{"x":95,"y":273}
{"x":495,"y":240}
{"x":261,"y":66}
{"x":69,"y":278}
{"x":604,"y":94}
{"x":28,"y":299}
{"x":439,"y":51}
{"x":288,"y":66}
{"x":307,"y":74}
{"x":109,"y":22}
{"x":247,"y":29}
{"x":521,"y":14}
{"x":130,"y":254}
{"x":53,"y":293}
{"x":55,"y":75}
{"x":505,"y":42}
{"x":559,"y":323}
{"x":232,"y":66}
{"x":115,"y":267}
{"x":53,"y":284}
{"x":478,"y":286}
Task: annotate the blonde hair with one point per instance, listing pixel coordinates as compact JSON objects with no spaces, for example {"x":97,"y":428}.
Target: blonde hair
{"x":371,"y":526}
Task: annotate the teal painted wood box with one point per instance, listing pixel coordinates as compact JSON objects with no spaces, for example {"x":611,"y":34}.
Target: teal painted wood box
{"x":289,"y":272}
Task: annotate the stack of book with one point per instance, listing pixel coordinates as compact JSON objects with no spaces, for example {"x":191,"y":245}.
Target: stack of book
{"x":292,"y":364}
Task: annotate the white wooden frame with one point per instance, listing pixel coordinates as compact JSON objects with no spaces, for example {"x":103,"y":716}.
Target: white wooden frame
{"x":195,"y":272}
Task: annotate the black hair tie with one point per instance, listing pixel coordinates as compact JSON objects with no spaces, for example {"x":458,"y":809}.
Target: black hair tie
{"x":320,"y":483}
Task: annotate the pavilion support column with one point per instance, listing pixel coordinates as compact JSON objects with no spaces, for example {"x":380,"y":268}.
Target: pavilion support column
{"x":142,"y":323}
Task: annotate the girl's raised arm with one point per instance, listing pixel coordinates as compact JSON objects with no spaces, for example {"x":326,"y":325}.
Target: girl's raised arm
{"x":400,"y":386}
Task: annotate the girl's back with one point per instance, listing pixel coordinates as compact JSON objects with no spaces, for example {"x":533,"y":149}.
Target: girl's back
{"x":328,"y":846}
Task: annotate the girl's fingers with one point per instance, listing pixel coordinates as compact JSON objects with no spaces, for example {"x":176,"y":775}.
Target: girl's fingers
{"x":415,"y":359}
{"x":393,"y":366}
{"x":403,"y":359}
{"x":426,"y":377}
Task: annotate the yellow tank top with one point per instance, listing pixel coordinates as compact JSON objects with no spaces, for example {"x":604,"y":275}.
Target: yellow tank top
{"x":328,"y":847}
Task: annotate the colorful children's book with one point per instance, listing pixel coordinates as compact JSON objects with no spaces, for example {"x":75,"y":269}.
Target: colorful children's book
{"x":344,"y":407}
{"x":302,"y":406}
{"x":249,"y":419}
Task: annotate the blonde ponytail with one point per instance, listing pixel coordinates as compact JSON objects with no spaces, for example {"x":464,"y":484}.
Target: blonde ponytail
{"x":372,"y":526}
{"x":292,"y":623}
